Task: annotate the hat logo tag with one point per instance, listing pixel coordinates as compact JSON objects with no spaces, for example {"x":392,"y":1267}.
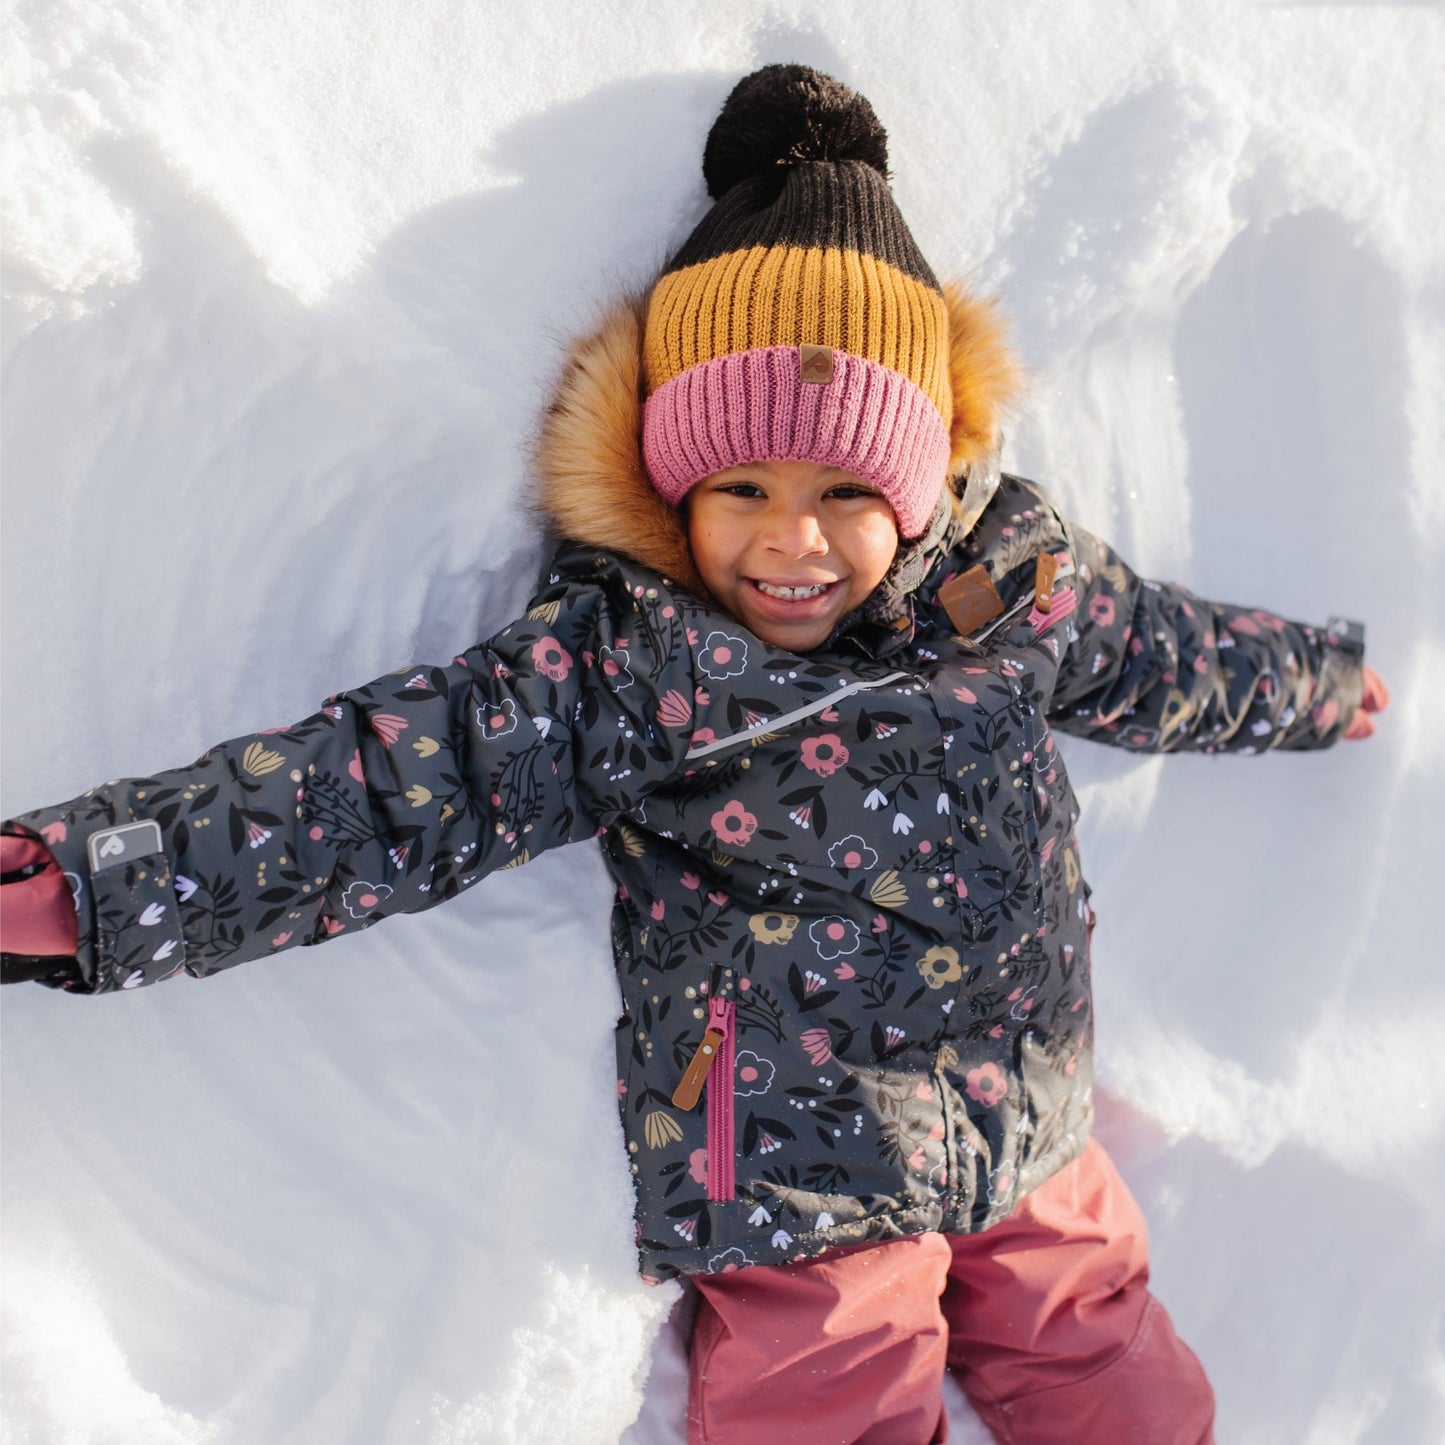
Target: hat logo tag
{"x":815,"y":363}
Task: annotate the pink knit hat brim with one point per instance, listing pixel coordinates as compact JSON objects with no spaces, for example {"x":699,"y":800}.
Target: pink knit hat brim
{"x":751,"y":406}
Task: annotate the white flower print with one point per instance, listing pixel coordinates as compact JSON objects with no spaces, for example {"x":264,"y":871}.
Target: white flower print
{"x":834,"y":937}
{"x":902,"y":823}
{"x":852,"y":852}
{"x":875,"y":799}
{"x":723,"y":655}
{"x":732,"y":1258}
{"x":613,"y":662}
{"x":752,"y":1074}
{"x":497,"y":722}
{"x":361,"y":900}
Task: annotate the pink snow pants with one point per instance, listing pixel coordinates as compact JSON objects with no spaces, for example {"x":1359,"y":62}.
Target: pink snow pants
{"x":1046,"y":1320}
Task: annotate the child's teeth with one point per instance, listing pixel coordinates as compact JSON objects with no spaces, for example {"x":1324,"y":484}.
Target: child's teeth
{"x":792,"y":594}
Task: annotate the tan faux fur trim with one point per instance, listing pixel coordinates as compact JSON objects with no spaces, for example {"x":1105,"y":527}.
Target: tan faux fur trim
{"x":986,"y":377}
{"x":589,"y":450}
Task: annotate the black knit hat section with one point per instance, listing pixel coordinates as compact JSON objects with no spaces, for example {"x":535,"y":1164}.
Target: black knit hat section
{"x":841,"y":204}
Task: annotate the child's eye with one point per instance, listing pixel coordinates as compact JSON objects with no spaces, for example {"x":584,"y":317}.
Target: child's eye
{"x":741,"y":489}
{"x":847,"y":491}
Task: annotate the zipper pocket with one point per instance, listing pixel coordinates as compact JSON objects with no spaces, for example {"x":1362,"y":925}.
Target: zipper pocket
{"x":721,"y":1128}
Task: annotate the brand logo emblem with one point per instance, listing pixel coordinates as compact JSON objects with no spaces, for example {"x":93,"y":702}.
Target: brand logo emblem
{"x":815,"y":363}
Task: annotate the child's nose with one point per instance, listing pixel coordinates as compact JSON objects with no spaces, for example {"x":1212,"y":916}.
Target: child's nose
{"x":797,"y":533}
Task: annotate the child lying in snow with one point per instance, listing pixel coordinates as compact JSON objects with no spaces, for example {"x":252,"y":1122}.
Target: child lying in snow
{"x":797,"y":669}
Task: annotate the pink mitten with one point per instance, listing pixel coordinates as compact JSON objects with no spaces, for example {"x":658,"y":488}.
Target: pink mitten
{"x":37,"y":913}
{"x":1375,"y":698}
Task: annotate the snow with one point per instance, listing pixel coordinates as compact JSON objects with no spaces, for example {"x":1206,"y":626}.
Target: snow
{"x":284,"y":287}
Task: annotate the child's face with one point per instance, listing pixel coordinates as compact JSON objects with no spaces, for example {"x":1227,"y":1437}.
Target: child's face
{"x":790,"y":548}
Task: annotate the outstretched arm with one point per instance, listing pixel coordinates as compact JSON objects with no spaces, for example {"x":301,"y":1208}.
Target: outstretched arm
{"x":1155,"y":668}
{"x":393,"y":797}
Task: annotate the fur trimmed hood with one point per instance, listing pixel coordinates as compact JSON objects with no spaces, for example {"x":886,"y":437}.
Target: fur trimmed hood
{"x":594,"y":488}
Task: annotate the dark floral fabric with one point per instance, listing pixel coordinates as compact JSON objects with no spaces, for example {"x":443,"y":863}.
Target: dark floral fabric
{"x":868,"y":852}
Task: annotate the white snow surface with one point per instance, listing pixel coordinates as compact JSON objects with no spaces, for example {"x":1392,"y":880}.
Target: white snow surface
{"x":284,"y":287}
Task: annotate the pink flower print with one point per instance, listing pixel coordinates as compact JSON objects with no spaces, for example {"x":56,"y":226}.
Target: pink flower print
{"x":844,"y":972}
{"x":417,"y":679}
{"x":551,"y":659}
{"x":852,"y":852}
{"x":354,"y":767}
{"x":614,"y":667}
{"x":697,"y":1166}
{"x":723,"y":656}
{"x":333,"y":925}
{"x":828,"y":715}
{"x":690,"y":880}
{"x":834,"y":937}
{"x":893,"y":1036}
{"x":1325,"y":715}
{"x":824,"y":755}
{"x":387,"y":726}
{"x":985,"y":1084}
{"x":733,"y":823}
{"x":256,"y":835}
{"x":674,"y":711}
{"x":659,"y":907}
{"x":691,"y":636}
{"x":702,"y":737}
{"x":1021,"y":1009}
{"x":752,"y":1074}
{"x":818,"y":1045}
{"x":497,"y":721}
{"x":53,"y":833}
{"x":916,"y":1161}
{"x":1101,"y":609}
{"x":812,"y":981}
{"x":1245,"y":624}
{"x":883,"y":730}
{"x":718,"y":898}
{"x":801,"y":816}
{"x":361,"y":900}
{"x":686,"y":1228}
{"x":281,"y":939}
{"x":964,"y":694}
{"x":767,"y":1144}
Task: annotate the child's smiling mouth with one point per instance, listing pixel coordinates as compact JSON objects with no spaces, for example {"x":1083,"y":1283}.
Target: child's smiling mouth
{"x":793,"y":592}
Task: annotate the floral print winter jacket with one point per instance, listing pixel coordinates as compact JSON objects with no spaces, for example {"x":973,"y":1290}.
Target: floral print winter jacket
{"x":851,"y":928}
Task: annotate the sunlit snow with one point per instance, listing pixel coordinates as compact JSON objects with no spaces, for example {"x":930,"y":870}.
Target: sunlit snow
{"x":285,"y":286}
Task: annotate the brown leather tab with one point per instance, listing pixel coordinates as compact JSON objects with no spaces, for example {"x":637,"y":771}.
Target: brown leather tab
{"x":1044,"y":574}
{"x":970,"y":600}
{"x":685,"y":1096}
{"x":815,"y":363}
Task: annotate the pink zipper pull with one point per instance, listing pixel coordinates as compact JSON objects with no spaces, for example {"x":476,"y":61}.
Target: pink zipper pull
{"x":689,"y":1089}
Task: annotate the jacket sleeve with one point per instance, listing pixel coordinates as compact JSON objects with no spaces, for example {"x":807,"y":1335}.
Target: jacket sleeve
{"x":393,"y":797}
{"x":1152,"y":667}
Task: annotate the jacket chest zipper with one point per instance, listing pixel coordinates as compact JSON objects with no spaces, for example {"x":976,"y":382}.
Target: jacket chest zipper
{"x":713,"y":1064}
{"x":1063,"y":568}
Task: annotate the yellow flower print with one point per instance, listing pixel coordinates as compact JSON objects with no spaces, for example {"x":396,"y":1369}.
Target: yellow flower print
{"x":940,"y":966}
{"x":425,"y":747}
{"x":888,"y":890}
{"x":419,"y":795}
{"x":773,"y":927}
{"x":660,"y":1129}
{"x":259,"y":760}
{"x":1071,"y":869}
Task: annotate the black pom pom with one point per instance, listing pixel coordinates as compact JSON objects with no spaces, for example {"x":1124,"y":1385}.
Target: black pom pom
{"x":783,"y":114}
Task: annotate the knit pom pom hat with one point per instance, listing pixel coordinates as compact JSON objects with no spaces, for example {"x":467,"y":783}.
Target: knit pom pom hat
{"x":799,"y":320}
